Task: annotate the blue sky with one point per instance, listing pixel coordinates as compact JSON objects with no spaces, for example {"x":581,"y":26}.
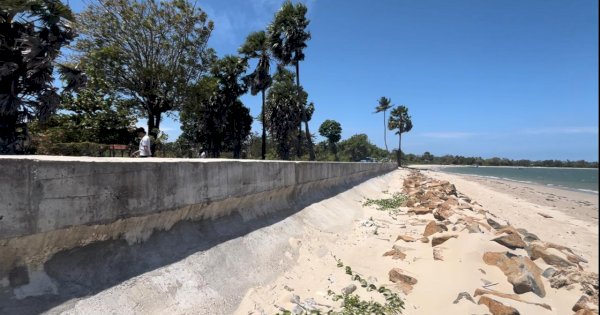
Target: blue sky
{"x":511,"y":78}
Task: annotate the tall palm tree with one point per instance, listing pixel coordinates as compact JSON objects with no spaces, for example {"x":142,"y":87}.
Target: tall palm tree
{"x":257,"y":46}
{"x":400,"y":120}
{"x":384,"y":104}
{"x":288,"y":36}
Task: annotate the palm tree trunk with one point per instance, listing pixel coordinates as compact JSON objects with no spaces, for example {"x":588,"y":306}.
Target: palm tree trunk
{"x":400,"y":142}
{"x":399,"y":150}
{"x":385,"y":133}
{"x":264,"y":132}
{"x":299,"y":140}
{"x":311,"y":150}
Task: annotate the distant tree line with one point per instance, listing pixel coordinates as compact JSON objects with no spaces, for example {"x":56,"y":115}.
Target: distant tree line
{"x":428,"y":158}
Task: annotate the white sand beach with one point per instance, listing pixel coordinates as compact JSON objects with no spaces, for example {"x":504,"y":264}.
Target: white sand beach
{"x":458,"y":265}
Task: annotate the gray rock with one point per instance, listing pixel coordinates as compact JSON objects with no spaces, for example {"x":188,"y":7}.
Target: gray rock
{"x":548,"y":273}
{"x":349,"y":289}
{"x":494,"y":224}
{"x":463,"y":295}
{"x":522,"y":231}
{"x":521,"y":272}
{"x":530,"y":237}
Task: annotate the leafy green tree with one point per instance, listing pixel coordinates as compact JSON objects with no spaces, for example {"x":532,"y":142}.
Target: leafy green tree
{"x":283,"y":112}
{"x":356,"y":148}
{"x":384,"y":104}
{"x":332,"y":130}
{"x":215,"y":117}
{"x":257,"y":46}
{"x":32,"y":34}
{"x":239,"y":124}
{"x":427,"y":157}
{"x":288,"y":36}
{"x":196,"y":116}
{"x":400,"y":121}
{"x":149,"y":51}
{"x":94,"y":114}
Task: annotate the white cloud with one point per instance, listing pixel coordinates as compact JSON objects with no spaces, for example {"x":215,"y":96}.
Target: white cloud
{"x":562,"y":130}
{"x":448,"y":134}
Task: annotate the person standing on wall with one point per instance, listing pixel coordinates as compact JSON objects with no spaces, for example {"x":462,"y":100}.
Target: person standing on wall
{"x":144,"y":150}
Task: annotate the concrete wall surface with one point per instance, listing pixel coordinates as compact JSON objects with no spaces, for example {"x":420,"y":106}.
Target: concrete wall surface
{"x":49,"y":204}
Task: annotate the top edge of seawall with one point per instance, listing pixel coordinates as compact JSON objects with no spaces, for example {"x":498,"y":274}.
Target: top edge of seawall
{"x":88,"y":159}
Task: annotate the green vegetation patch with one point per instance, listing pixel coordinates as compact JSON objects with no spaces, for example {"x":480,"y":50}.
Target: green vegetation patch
{"x":393,"y":203}
{"x":352,"y":304}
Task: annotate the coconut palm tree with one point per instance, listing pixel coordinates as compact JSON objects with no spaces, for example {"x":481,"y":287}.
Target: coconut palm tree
{"x":384,"y":104}
{"x":257,"y":46}
{"x":400,"y":120}
{"x":288,"y":37}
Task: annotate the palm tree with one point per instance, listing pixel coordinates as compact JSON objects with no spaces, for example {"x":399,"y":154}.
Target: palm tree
{"x":257,"y":46}
{"x":384,"y":104}
{"x":288,"y":36}
{"x":32,"y":35}
{"x":399,"y":119}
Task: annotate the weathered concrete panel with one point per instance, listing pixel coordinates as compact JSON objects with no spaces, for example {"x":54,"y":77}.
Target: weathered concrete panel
{"x":43,"y":194}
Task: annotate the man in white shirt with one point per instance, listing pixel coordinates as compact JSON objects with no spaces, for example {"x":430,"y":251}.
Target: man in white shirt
{"x":144,"y":150}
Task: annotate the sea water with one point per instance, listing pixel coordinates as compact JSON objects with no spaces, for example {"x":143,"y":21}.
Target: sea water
{"x":571,"y":178}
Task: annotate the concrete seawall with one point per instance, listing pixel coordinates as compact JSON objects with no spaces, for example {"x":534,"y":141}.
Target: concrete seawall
{"x":52,"y":204}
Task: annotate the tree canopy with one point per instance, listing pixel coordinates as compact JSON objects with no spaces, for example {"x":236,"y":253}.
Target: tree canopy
{"x":288,"y":36}
{"x":149,"y":51}
{"x":283,"y":113}
{"x":33,"y":33}
{"x":332,"y":130}
{"x":214,"y":116}
{"x":287,"y":33}
{"x":400,"y":121}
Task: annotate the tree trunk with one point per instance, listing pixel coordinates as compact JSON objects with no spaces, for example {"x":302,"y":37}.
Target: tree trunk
{"x":334,"y":150}
{"x":400,"y":142}
{"x":311,"y":150}
{"x":153,"y":128}
{"x":301,"y":106}
{"x":264,"y":130}
{"x":399,"y":150}
{"x":385,"y":133}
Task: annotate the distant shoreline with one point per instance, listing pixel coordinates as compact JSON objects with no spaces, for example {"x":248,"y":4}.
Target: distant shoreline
{"x":432,"y":166}
{"x":440,"y":168}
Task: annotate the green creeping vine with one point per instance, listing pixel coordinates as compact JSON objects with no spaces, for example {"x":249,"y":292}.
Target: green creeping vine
{"x":352,"y":303}
{"x":393,"y":203}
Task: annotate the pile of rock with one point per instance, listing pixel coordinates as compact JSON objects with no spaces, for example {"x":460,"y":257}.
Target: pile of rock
{"x":453,"y":212}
